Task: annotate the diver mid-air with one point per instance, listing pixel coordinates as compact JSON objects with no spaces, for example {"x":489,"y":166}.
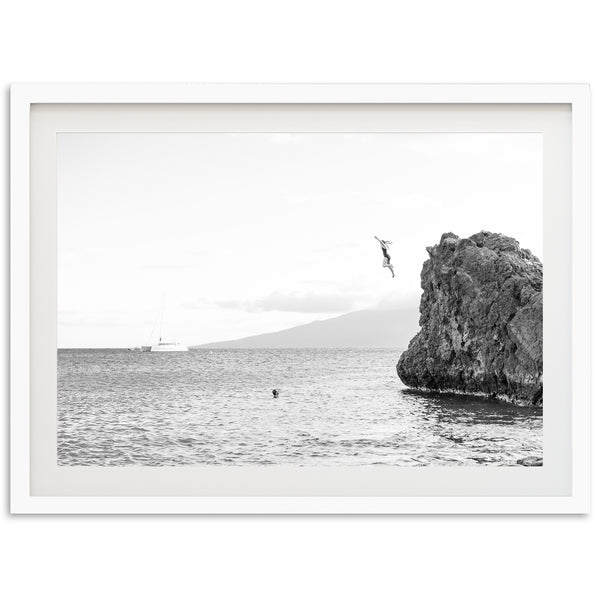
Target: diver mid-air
{"x":387,"y":259}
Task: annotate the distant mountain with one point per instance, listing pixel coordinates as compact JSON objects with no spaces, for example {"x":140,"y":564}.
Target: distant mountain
{"x":377,"y":328}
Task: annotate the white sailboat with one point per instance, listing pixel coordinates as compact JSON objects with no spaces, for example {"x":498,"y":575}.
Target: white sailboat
{"x":163,"y":345}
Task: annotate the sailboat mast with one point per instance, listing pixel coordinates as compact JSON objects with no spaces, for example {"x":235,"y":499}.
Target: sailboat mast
{"x":162,"y":314}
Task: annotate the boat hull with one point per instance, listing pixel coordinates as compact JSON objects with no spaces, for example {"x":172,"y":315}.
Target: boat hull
{"x":169,"y":348}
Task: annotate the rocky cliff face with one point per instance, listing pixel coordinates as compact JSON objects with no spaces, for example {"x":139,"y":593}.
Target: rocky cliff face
{"x":481,"y":320}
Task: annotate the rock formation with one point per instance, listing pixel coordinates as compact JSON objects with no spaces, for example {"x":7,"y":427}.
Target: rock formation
{"x":481,"y":321}
{"x":531,"y":461}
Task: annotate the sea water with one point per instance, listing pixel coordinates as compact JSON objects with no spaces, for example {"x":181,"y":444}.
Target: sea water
{"x":338,"y":407}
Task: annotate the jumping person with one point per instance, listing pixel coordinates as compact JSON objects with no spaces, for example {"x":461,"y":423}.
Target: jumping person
{"x":387,"y":259}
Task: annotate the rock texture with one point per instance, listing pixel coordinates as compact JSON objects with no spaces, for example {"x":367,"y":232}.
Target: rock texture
{"x":481,"y":321}
{"x":531,"y":461}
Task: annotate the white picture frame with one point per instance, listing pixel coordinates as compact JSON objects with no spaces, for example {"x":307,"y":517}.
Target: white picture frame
{"x":27,"y":427}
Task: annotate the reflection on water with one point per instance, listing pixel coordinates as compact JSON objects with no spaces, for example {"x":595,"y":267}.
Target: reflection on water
{"x":339,"y":407}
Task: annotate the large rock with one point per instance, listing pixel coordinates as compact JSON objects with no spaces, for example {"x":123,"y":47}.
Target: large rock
{"x":481,"y":321}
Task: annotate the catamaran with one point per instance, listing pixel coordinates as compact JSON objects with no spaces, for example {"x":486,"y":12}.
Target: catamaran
{"x":163,"y":345}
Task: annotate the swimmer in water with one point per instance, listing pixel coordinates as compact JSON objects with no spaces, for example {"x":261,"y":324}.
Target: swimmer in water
{"x":275,"y":394}
{"x":387,"y":259}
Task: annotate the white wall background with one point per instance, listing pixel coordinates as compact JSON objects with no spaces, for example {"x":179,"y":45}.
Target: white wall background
{"x":297,"y":557}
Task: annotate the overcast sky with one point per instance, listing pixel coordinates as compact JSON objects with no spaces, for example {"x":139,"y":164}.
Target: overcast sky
{"x":250,"y":233}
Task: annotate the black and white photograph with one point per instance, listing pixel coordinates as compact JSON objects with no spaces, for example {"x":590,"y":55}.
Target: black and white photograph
{"x":281,"y":283}
{"x":300,"y":299}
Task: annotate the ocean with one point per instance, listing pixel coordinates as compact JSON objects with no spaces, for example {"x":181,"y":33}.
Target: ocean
{"x":337,"y":407}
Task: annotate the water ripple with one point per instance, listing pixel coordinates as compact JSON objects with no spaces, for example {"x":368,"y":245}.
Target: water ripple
{"x":336,"y":407}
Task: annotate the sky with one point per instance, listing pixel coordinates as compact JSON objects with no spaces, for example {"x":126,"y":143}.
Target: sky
{"x":244,"y":233}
